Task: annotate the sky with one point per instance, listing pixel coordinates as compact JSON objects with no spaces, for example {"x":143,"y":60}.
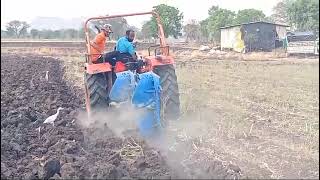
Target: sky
{"x":27,"y":10}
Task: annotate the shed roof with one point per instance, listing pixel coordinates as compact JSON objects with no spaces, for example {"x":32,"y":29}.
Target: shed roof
{"x":254,"y":23}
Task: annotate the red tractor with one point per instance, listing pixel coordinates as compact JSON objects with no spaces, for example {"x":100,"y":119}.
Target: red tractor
{"x":99,"y":77}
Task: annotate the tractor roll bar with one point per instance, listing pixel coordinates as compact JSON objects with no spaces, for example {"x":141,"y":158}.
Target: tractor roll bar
{"x":156,"y":15}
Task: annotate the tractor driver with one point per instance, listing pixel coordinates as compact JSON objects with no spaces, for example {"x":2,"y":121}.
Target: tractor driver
{"x":99,"y":43}
{"x":126,"y":46}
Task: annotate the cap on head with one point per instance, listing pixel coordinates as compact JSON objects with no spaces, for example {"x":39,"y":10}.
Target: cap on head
{"x":107,"y":27}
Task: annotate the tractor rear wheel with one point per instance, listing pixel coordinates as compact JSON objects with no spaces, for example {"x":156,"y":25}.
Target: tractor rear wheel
{"x":170,"y":92}
{"x":96,"y":91}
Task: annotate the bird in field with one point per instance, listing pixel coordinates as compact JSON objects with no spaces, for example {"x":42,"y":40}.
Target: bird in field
{"x":52,"y":118}
{"x":39,"y":132}
{"x":47,"y":76}
{"x":51,"y":168}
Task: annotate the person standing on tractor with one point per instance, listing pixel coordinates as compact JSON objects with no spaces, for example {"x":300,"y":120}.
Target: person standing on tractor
{"x":99,"y":43}
{"x":126,"y":46}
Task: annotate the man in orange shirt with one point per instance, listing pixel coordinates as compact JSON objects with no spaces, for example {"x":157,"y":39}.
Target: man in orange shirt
{"x":99,"y":43}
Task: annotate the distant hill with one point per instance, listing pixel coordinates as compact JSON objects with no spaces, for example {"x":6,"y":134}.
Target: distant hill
{"x":55,"y":23}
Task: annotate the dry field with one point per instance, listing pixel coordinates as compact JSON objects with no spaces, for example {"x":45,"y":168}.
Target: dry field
{"x":247,"y":116}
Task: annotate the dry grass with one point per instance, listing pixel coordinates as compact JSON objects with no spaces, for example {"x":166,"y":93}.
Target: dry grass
{"x":74,"y":70}
{"x":253,"y":56}
{"x":259,"y":113}
{"x":284,"y":94}
{"x":45,"y":51}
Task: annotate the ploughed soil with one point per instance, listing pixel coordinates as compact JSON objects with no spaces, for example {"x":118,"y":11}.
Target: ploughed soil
{"x":27,"y":99}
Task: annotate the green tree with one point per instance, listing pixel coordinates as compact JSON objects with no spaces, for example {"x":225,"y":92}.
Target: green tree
{"x":279,"y":14}
{"x":192,"y":30}
{"x":35,"y":33}
{"x":46,"y":34}
{"x":119,"y":26}
{"x":57,"y":34}
{"x":70,"y":34}
{"x":204,"y":29}
{"x":81,"y":34}
{"x":249,"y":15}
{"x":150,"y":29}
{"x":17,"y":28}
{"x":146,"y":32}
{"x":4,"y":34}
{"x":171,"y":19}
{"x":303,"y":15}
{"x":218,"y":17}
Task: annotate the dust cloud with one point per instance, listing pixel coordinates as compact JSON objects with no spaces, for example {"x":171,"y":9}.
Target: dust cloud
{"x":175,"y":143}
{"x":118,"y":120}
{"x":178,"y":140}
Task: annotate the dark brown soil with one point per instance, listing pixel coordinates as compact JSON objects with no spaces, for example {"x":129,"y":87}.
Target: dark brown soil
{"x":27,"y":99}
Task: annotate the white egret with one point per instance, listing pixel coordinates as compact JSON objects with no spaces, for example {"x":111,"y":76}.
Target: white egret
{"x":47,"y":76}
{"x":52,"y":118}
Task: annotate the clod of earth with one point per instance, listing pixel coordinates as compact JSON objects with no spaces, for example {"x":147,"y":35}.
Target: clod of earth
{"x":67,"y":148}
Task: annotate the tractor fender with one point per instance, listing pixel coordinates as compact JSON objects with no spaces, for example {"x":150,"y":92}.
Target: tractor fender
{"x":97,"y":68}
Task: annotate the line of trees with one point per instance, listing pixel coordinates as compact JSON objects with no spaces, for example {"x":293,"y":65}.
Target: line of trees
{"x":301,"y":15}
{"x":20,"y":31}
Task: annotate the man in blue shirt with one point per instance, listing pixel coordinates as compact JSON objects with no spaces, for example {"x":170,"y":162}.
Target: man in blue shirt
{"x":125,"y":45}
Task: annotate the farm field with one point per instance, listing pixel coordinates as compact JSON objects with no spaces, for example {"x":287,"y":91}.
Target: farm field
{"x":243,"y":116}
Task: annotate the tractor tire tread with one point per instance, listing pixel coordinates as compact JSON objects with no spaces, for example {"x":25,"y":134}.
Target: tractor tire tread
{"x":170,"y":91}
{"x":97,"y":92}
